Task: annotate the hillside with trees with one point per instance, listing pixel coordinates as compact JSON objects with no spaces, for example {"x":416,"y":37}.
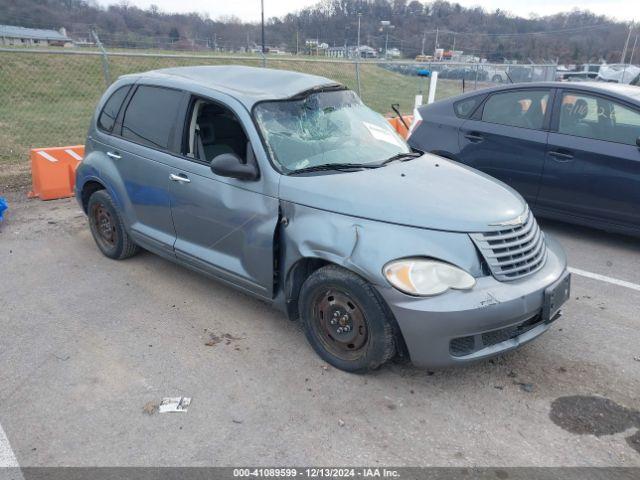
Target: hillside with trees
{"x":573,"y":37}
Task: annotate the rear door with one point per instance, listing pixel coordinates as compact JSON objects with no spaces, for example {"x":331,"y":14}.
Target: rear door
{"x":140,"y":151}
{"x":507,"y":138}
{"x":592,"y":167}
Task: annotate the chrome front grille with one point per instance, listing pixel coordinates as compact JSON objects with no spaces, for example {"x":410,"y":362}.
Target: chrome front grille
{"x":514,"y":252}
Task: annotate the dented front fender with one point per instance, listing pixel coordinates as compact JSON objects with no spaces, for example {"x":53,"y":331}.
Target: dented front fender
{"x":365,"y":246}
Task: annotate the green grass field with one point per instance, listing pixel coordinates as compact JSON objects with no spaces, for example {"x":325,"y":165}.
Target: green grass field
{"x":48,"y":99}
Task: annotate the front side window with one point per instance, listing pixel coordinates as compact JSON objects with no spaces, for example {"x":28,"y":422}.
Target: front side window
{"x":598,"y":118}
{"x":523,"y":108}
{"x":214,"y":130}
{"x":150,"y":118}
{"x":109,"y":113}
{"x":326,"y":128}
{"x":465,"y":108}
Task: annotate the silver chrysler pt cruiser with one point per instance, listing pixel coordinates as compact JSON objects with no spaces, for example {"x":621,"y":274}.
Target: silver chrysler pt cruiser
{"x":288,"y":187}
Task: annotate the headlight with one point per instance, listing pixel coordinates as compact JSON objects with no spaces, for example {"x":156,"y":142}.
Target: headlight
{"x":422,"y":277}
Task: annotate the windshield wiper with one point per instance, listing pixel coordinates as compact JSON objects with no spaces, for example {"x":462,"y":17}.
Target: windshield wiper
{"x":334,"y":166}
{"x":403,"y":157}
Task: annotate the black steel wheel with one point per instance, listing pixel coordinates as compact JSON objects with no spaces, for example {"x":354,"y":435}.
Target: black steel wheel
{"x":104,"y":224}
{"x":339,"y":323}
{"x":345,"y":320}
{"x":107,"y":228}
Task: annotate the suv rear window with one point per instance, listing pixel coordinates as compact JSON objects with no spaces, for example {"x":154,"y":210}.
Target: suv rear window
{"x":464,"y":108}
{"x":150,"y":118}
{"x":107,"y":117}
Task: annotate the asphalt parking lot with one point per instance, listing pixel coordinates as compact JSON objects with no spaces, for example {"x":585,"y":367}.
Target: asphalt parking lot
{"x":87,"y":342}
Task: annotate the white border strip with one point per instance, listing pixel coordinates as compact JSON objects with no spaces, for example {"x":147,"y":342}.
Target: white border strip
{"x":604,"y":278}
{"x":46,"y":156}
{"x":7,"y":457}
{"x":73,"y":154}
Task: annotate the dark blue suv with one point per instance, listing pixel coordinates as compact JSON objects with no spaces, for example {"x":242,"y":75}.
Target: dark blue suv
{"x":572,"y":150}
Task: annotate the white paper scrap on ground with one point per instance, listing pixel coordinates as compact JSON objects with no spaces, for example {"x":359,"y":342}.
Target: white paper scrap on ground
{"x":174,"y":404}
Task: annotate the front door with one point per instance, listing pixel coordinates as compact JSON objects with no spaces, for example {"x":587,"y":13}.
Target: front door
{"x":508,"y":141}
{"x":224,"y":226}
{"x":592,"y":168}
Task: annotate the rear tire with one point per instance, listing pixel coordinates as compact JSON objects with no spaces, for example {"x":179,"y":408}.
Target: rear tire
{"x":107,"y":228}
{"x":345,"y":320}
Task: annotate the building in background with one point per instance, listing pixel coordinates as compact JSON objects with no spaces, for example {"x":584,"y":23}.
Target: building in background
{"x":337,"y":52}
{"x":365,"y":51}
{"x":28,"y":37}
{"x":315,"y":47}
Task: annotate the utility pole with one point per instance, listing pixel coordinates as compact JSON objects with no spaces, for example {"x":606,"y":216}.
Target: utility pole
{"x":297,"y":42}
{"x":345,"y":43}
{"x":454,"y":42}
{"x":633,"y":50}
{"x":358,"y":51}
{"x":424,"y":39}
{"x":386,"y":45}
{"x":386,"y":24}
{"x":436,"y":47}
{"x":264,"y":50}
{"x":626,"y":44}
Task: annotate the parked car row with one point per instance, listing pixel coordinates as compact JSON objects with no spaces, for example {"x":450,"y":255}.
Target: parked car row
{"x":481,"y":72}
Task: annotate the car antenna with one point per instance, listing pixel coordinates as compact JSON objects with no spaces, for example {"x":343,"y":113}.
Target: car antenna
{"x":396,"y":108}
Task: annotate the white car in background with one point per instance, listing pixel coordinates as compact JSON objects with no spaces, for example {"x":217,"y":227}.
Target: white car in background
{"x":618,"y":73}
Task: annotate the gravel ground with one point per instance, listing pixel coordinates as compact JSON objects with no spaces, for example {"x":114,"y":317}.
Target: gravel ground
{"x":89,"y":346}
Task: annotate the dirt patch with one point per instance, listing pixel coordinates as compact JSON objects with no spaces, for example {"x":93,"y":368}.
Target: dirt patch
{"x":15,"y":178}
{"x":590,"y":415}
{"x":226,"y":337}
{"x":150,"y":407}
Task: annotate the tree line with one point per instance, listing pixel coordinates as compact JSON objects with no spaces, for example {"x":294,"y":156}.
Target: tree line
{"x":414,"y":27}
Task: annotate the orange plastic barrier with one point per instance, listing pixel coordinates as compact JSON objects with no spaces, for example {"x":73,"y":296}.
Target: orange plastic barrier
{"x":53,"y":171}
{"x":397,"y":124}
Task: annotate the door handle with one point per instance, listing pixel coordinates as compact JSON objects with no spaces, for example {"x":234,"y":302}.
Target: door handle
{"x":114,"y":155}
{"x":561,"y":156}
{"x":179,"y":178}
{"x":474,"y":137}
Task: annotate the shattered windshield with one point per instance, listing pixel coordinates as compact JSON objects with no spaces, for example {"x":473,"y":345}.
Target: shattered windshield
{"x":329,"y":127}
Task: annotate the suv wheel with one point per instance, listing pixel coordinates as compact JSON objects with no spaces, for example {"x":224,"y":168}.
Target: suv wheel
{"x":107,"y":228}
{"x":345,"y":320}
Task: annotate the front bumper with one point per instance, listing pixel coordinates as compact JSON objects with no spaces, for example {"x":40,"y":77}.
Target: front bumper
{"x":459,"y":327}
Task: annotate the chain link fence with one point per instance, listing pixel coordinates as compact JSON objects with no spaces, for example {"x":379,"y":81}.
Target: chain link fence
{"x":47,"y":97}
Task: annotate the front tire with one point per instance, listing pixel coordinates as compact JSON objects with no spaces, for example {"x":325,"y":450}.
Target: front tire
{"x":107,"y":228}
{"x":345,"y":320}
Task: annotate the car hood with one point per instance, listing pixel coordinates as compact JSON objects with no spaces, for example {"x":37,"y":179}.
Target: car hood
{"x":427,"y":192}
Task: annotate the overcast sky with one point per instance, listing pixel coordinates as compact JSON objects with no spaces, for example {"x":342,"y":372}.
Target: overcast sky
{"x":249,"y":10}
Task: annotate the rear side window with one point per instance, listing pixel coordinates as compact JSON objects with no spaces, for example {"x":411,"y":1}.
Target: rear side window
{"x":150,"y":118}
{"x":464,"y":108}
{"x":109,"y":113}
{"x":523,"y":108}
{"x":599,"y":118}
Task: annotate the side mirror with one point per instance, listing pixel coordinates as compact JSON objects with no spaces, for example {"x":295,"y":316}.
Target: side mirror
{"x":230,"y":165}
{"x":638,"y":142}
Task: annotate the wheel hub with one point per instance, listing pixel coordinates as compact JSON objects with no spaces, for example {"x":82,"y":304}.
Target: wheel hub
{"x":340,"y":322}
{"x":104,"y":224}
